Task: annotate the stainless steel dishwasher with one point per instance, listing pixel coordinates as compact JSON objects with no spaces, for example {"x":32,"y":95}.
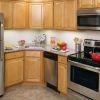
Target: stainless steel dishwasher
{"x":51,"y":69}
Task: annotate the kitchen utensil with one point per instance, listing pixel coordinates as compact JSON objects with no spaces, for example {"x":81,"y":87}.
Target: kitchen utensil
{"x":77,"y":47}
{"x":95,"y":56}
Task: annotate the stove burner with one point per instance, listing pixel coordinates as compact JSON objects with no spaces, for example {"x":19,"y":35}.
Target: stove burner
{"x":81,"y":58}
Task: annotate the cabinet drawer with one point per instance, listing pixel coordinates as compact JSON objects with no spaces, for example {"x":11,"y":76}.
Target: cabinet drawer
{"x":33,"y":53}
{"x":62,"y":59}
{"x":14,"y":55}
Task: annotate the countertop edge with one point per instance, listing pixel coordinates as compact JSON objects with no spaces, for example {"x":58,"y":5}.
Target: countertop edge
{"x":48,"y":49}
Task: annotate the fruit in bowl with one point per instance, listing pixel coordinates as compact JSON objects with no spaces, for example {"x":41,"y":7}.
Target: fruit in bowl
{"x":62,"y":45}
{"x":64,"y":48}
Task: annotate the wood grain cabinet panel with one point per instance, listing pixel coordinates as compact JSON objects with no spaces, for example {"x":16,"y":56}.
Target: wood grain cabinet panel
{"x":38,"y":1}
{"x":13,"y":55}
{"x":70,"y":21}
{"x":86,"y":3}
{"x":48,"y":15}
{"x":62,"y":74}
{"x":97,"y":3}
{"x":19,"y":14}
{"x":62,"y":78}
{"x":32,"y":69}
{"x":32,"y":54}
{"x":35,"y":15}
{"x":62,"y":59}
{"x":6,"y":9}
{"x":58,"y":14}
{"x":13,"y":71}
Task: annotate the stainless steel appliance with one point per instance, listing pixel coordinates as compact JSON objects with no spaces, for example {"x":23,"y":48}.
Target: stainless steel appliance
{"x":88,"y":19}
{"x":1,"y":56}
{"x":84,"y":72}
{"x":51,"y":69}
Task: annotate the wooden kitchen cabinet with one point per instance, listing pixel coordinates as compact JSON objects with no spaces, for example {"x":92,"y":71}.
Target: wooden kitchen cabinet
{"x":58,"y":14}
{"x":13,"y":68}
{"x":15,"y":14}
{"x":6,"y":9}
{"x":33,"y":67}
{"x":70,"y":21}
{"x":48,"y":15}
{"x":63,"y":17}
{"x":86,"y":3}
{"x":35,"y":15}
{"x":41,"y":15}
{"x":97,"y":3}
{"x":62,"y":74}
{"x":38,"y":1}
{"x":71,"y":15}
{"x":20,"y":14}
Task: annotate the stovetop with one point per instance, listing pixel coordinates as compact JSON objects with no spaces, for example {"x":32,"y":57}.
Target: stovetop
{"x":79,"y":57}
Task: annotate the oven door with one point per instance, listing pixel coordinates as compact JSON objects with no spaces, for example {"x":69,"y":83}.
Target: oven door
{"x":88,"y":22}
{"x":84,"y":79}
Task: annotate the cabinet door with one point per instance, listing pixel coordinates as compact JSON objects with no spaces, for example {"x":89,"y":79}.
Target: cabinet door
{"x":97,"y":3}
{"x":62,"y":78}
{"x":13,"y":71}
{"x":58,"y":14}
{"x":48,"y":15}
{"x":32,"y":69}
{"x":19,"y":14}
{"x":70,"y":15}
{"x":6,"y":9}
{"x":39,"y":1}
{"x":35,"y":15}
{"x":86,"y":4}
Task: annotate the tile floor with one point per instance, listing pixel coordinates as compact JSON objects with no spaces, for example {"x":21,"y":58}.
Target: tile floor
{"x":30,"y":92}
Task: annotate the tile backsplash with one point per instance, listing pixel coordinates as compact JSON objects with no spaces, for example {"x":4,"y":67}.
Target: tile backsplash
{"x":13,"y":36}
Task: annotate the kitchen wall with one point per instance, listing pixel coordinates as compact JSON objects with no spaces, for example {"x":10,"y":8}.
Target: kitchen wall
{"x":13,"y":36}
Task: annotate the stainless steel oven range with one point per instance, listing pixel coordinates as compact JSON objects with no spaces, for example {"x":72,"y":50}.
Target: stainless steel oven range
{"x":84,"y":72}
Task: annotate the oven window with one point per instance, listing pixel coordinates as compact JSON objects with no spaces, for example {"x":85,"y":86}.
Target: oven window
{"x":89,"y":20}
{"x":85,"y":78}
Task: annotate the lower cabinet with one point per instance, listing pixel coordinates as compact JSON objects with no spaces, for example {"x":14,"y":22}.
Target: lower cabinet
{"x":13,"y":71}
{"x":62,"y":74}
{"x":33,"y":67}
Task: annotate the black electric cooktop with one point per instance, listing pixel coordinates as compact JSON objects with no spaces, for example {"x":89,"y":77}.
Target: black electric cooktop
{"x":79,"y":57}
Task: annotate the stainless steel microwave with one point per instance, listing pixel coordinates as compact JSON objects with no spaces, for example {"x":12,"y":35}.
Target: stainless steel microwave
{"x":88,"y":19}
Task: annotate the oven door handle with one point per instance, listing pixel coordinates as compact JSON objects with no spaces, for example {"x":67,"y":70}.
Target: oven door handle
{"x":88,"y":67}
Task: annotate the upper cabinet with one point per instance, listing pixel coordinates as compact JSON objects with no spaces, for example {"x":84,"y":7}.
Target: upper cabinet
{"x":63,"y":17}
{"x":89,"y":3}
{"x":41,"y":15}
{"x":6,"y":9}
{"x":19,"y":14}
{"x":58,"y":14}
{"x":48,"y":15}
{"x":38,"y":1}
{"x":70,"y":20}
{"x":15,"y":14}
{"x":97,"y":3}
{"x":35,"y":15}
{"x":86,"y":3}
